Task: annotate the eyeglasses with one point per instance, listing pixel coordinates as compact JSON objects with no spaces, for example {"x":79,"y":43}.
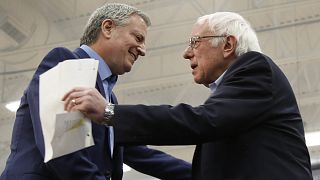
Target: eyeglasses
{"x":193,"y":42}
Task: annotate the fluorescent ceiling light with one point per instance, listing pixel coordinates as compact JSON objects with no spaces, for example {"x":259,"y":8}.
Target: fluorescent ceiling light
{"x":126,"y":168}
{"x":312,"y":138}
{"x":13,"y":106}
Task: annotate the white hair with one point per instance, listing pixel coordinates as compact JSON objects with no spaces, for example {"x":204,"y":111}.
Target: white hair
{"x":229,"y":23}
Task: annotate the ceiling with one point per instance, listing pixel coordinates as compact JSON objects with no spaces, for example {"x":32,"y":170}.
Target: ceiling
{"x":288,"y":31}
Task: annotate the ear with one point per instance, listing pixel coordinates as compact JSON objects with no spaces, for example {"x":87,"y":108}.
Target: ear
{"x":229,"y":46}
{"x":107,"y":26}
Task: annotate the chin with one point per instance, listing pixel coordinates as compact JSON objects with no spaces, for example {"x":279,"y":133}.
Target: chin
{"x":128,"y":69}
{"x":197,"y":80}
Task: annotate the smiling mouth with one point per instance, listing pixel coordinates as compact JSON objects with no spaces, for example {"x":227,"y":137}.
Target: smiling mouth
{"x":135,"y":57}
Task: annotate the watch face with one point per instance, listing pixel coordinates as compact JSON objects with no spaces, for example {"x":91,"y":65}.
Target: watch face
{"x":108,"y":115}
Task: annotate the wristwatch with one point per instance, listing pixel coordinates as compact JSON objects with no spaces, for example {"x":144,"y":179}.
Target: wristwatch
{"x":108,"y":115}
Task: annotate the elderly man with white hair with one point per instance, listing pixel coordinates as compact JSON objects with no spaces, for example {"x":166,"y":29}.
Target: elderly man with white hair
{"x":249,"y":128}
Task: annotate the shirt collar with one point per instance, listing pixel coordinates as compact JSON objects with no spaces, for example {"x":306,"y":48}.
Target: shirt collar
{"x":213,"y":86}
{"x":103,"y":68}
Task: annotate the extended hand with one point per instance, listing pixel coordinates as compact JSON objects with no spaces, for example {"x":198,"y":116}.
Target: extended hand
{"x":86,"y":100}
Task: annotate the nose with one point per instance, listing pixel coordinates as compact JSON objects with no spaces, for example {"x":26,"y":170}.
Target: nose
{"x":187,"y":54}
{"x":142,"y":49}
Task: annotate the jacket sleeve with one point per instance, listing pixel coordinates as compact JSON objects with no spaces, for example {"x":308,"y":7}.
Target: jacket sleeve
{"x":72,"y":166}
{"x":239,"y":103}
{"x":156,"y":163}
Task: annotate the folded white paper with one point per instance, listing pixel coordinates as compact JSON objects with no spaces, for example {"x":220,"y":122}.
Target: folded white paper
{"x":64,"y":132}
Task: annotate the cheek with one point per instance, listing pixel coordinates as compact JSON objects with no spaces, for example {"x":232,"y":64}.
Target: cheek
{"x":205,"y":63}
{"x":205,"y":70}
{"x":208,"y":70}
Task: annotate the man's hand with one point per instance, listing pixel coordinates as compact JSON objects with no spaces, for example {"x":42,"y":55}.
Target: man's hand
{"x":86,"y":100}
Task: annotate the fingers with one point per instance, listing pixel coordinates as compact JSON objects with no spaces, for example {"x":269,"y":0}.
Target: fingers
{"x":72,"y":91}
{"x":74,"y":102}
{"x":74,"y":97}
{"x":77,"y":103}
{"x":86,"y":100}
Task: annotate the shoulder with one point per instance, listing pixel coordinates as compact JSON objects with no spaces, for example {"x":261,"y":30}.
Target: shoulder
{"x":60,"y":51}
{"x":251,"y":61}
{"x":54,"y":57}
{"x":250,"y":69}
{"x":249,"y":76}
{"x":252,"y":57}
{"x":57,"y":55}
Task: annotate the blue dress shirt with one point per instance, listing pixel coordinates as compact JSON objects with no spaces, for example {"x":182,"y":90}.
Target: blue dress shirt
{"x":213,"y":86}
{"x":108,"y":81}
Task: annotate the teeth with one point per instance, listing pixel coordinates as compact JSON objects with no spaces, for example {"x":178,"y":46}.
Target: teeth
{"x":134,"y":56}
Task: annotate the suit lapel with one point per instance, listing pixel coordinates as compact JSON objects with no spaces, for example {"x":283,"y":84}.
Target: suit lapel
{"x":114,"y":98}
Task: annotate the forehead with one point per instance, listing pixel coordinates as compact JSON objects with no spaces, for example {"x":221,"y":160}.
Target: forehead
{"x":136,"y":24}
{"x":200,"y":29}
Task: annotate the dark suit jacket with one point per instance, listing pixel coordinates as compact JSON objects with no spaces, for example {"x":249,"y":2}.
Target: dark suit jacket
{"x":249,"y":129}
{"x":94,"y":163}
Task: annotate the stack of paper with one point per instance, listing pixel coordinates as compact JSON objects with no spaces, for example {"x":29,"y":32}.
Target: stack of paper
{"x":64,"y":132}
